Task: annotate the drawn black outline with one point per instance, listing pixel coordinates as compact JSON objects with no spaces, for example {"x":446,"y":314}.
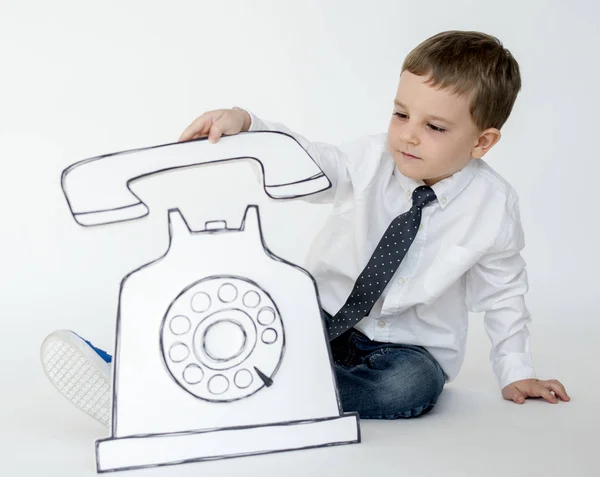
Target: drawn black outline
{"x":266,"y":187}
{"x":211,"y":277}
{"x":233,"y":456}
{"x":174,"y":214}
{"x":237,"y":353}
{"x":278,"y":314}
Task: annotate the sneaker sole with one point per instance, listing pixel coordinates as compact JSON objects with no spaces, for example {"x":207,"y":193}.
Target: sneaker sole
{"x":78,"y":373}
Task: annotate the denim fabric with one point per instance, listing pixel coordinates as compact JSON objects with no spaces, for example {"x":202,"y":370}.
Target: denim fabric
{"x":385,"y":380}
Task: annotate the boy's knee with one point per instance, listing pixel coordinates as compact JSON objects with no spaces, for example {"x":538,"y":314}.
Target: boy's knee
{"x":412,"y":392}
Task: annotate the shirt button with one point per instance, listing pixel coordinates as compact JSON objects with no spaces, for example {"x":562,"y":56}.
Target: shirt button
{"x":401,"y":281}
{"x":444,"y":200}
{"x":408,"y":193}
{"x":381,"y":324}
{"x":421,"y":227}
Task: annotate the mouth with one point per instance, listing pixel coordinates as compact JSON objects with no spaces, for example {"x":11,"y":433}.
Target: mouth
{"x":410,"y":156}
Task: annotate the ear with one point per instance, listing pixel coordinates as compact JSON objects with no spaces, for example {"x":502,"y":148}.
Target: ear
{"x":485,"y":142}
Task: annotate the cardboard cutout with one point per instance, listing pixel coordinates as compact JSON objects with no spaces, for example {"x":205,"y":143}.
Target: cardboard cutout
{"x":221,"y":350}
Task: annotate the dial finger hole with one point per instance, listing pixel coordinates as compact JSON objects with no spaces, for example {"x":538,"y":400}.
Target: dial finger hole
{"x":243,"y":378}
{"x":227,"y":293}
{"x":193,"y":374}
{"x":251,"y":299}
{"x":180,"y":325}
{"x":269,"y":336}
{"x":218,"y":384}
{"x":178,"y":352}
{"x":200,"y":302}
{"x":266,"y":316}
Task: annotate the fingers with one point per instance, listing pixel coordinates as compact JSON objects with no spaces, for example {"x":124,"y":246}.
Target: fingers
{"x":199,"y":126}
{"x":557,"y":387}
{"x":524,"y":389}
{"x":545,"y":393}
{"x":206,"y":125}
{"x":216,"y":129}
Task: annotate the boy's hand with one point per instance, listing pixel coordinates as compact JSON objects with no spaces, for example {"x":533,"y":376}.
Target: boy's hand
{"x":216,"y":123}
{"x":526,"y":388}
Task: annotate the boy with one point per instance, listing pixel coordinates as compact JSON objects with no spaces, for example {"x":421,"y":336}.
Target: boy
{"x":422,"y":231}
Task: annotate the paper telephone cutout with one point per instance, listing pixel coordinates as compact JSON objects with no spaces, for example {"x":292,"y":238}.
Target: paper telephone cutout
{"x":97,"y":189}
{"x":221,"y":350}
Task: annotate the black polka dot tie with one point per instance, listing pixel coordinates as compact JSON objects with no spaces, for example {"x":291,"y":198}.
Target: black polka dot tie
{"x":382,"y":265}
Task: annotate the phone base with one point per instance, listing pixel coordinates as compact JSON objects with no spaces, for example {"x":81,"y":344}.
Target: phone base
{"x":155,"y":450}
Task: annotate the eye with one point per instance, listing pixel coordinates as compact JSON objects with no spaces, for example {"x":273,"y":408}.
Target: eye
{"x":433,"y":128}
{"x":436,"y":129}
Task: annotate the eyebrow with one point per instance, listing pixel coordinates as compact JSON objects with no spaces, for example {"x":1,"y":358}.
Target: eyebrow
{"x":439,"y":118}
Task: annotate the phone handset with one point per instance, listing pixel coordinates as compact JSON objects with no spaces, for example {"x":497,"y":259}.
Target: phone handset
{"x":97,"y":189}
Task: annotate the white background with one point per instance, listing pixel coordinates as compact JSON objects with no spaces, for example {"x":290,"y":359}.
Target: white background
{"x":79,"y":79}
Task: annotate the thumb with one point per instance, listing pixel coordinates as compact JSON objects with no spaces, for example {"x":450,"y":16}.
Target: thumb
{"x":512,"y":393}
{"x":519,"y":398}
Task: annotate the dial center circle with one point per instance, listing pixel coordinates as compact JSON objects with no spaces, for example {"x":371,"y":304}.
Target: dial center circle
{"x":224,"y":340}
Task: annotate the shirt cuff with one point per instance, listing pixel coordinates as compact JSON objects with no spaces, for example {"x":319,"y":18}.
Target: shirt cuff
{"x":513,"y":367}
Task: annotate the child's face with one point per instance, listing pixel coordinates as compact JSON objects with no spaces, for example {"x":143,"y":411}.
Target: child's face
{"x":444,"y":144}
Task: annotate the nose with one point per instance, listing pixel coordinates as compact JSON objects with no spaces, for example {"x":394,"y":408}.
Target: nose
{"x":408,"y":134}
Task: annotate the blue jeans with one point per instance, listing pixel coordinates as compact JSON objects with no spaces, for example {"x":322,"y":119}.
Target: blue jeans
{"x":385,"y":380}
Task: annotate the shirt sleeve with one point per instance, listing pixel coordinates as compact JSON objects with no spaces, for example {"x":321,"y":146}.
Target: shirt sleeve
{"x":332,"y":160}
{"x":496,"y":285}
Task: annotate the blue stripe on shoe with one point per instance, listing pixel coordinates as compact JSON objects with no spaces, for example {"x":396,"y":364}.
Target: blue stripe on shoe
{"x":103,"y":354}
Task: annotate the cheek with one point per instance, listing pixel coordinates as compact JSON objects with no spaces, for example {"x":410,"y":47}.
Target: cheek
{"x":391,"y":133}
{"x":393,"y":144}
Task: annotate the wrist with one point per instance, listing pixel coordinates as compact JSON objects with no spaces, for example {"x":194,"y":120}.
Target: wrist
{"x":247,"y":120}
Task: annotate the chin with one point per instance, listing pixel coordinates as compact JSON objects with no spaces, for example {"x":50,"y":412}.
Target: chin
{"x":408,"y":171}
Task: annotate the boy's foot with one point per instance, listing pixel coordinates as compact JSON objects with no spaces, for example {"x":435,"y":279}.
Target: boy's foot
{"x":80,"y":371}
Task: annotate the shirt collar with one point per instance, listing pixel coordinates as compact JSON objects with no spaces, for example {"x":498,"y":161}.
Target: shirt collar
{"x":446,"y":189}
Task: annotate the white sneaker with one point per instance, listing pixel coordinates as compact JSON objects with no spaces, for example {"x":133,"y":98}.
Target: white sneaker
{"x":80,"y":371}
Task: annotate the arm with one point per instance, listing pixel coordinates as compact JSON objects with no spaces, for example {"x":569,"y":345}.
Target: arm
{"x":496,"y":285}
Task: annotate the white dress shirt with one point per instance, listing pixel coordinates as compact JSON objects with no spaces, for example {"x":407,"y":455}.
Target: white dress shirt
{"x":465,"y":256}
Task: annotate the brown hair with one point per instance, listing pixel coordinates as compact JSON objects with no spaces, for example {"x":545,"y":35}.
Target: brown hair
{"x":470,"y":63}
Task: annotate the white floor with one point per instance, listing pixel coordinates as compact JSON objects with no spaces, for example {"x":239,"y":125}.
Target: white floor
{"x":471,"y":432}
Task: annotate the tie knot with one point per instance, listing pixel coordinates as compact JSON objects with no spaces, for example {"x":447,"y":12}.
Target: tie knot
{"x":423,"y":195}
